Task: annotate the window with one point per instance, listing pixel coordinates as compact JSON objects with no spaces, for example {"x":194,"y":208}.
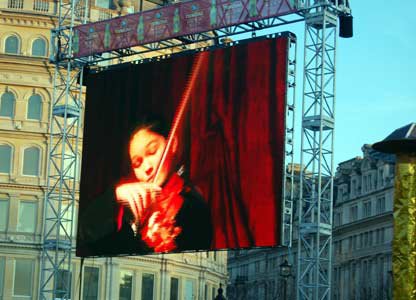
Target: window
{"x":34,"y":107}
{"x":382,"y":235}
{"x":90,"y":284}
{"x":381,"y":177}
{"x":206,"y":292}
{"x":338,"y":218}
{"x":7,"y":105}
{"x":126,"y":285}
{"x":340,"y":193}
{"x":381,"y":205}
{"x":63,"y":284}
{"x":174,"y":288}
{"x":367,"y":209}
{"x":244,"y":270}
{"x":353,"y":213}
{"x":365,"y":243}
{"x":353,"y":187}
{"x":257,"y":266}
{"x":31,"y":161}
{"x":103,"y":3}
{"x":4,"y":213}
{"x":189,"y":289}
{"x":274,"y":263}
{"x":213,"y":293}
{"x":378,"y":236}
{"x":27,"y":217}
{"x":2,"y":266}
{"x":147,"y":286}
{"x":23,"y":272}
{"x":5,"y":158}
{"x":39,"y":47}
{"x":12,"y":45}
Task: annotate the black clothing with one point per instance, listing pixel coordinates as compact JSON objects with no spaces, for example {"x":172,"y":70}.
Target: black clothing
{"x":98,"y":234}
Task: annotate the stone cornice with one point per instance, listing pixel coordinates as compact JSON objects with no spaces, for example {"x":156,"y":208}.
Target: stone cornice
{"x":363,"y":224}
{"x":363,"y":196}
{"x":25,"y":135}
{"x":24,"y":187}
{"x":27,"y":18}
{"x":21,"y":65}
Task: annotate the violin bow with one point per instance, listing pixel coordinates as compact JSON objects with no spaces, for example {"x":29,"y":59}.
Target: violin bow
{"x":179,"y":114}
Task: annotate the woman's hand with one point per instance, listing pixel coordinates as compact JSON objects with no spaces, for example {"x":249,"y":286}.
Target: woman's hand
{"x":137,"y":196}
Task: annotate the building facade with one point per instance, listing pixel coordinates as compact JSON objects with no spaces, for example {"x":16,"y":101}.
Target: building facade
{"x":363,"y":227}
{"x":255,"y":274}
{"x":26,"y":85}
{"x":362,"y":240}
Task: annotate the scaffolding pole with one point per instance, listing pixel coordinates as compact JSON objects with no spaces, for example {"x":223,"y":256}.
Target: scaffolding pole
{"x":289,"y":173}
{"x":317,"y":149}
{"x":63,"y":160}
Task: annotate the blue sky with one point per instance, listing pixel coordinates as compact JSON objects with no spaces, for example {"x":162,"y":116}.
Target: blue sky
{"x":376,"y":80}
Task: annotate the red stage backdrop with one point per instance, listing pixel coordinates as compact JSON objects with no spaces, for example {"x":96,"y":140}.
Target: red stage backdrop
{"x":171,"y":21}
{"x":231,"y":158}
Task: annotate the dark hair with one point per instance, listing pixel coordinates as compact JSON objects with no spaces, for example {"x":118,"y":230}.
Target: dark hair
{"x":155,"y":124}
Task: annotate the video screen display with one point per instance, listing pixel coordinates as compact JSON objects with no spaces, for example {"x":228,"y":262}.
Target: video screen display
{"x":185,"y":153}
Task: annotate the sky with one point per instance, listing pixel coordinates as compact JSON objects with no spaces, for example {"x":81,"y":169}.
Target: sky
{"x":375,"y":75}
{"x":376,"y":82}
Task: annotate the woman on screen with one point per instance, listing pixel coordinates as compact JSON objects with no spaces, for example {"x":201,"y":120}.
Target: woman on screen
{"x":153,"y":211}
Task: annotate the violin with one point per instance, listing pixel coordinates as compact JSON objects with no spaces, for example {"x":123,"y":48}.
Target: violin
{"x":157,"y":226}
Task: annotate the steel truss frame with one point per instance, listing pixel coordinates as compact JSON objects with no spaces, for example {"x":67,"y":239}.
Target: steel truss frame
{"x":314,"y":245}
{"x":314,"y":261}
{"x":64,"y":126}
{"x":224,"y":35}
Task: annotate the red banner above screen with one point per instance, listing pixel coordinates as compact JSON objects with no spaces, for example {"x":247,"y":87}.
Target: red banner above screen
{"x":171,"y":21}
{"x":222,"y":187}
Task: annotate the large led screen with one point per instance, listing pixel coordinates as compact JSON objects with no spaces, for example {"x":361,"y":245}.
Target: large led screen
{"x":185,"y":153}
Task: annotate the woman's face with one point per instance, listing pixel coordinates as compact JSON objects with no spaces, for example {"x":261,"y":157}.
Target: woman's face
{"x":145,"y":150}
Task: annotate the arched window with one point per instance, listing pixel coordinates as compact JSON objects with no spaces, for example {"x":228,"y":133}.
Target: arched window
{"x":5,"y":158}
{"x":39,"y":47}
{"x":34,"y":107}
{"x":31,"y":161}
{"x":12,"y":45}
{"x":7,"y":105}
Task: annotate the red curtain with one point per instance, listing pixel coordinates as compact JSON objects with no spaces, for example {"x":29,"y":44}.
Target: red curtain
{"x":235,"y":133}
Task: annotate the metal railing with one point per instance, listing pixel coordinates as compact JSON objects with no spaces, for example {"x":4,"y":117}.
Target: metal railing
{"x":50,"y":7}
{"x":16,"y":4}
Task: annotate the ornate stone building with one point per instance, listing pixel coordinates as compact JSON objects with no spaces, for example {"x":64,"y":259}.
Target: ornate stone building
{"x":362,"y":236}
{"x":363,"y":227}
{"x":26,"y":84}
{"x":255,"y":274}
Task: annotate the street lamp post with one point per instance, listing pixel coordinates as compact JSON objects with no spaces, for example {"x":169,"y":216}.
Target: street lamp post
{"x":285,"y":272}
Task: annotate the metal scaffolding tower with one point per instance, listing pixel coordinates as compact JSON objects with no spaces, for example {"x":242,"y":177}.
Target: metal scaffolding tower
{"x":64,"y":125}
{"x":317,"y":151}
